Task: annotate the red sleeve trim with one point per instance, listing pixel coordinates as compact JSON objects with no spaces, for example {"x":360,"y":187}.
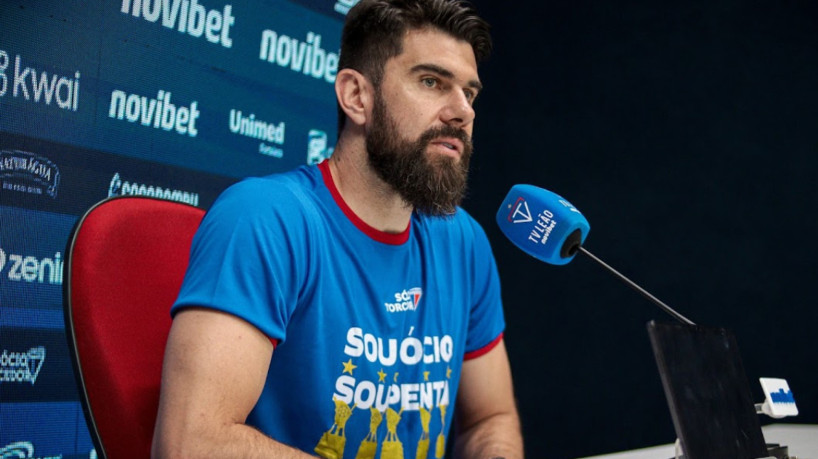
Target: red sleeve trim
{"x":484,"y":349}
{"x":380,"y":236}
{"x":275,"y":342}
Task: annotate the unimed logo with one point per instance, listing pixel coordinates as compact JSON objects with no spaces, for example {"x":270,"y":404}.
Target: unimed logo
{"x":250,"y":126}
{"x":21,"y":268}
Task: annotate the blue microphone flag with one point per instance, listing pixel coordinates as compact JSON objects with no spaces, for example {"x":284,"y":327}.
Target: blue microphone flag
{"x":542,"y":224}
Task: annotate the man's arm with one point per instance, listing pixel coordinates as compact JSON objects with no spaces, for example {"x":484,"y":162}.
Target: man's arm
{"x":487,"y":422}
{"x":214,"y":370}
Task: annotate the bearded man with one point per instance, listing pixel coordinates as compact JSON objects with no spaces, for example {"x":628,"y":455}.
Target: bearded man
{"x":352,"y":309}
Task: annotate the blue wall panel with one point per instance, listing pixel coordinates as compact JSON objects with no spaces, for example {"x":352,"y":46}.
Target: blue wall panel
{"x":115,"y":97}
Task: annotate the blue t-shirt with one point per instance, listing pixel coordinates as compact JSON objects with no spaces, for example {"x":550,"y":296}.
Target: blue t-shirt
{"x":371,"y":328}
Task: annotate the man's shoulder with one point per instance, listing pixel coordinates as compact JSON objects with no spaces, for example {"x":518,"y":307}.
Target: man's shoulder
{"x":299,"y":180}
{"x":283,"y":190}
{"x":288,"y":199}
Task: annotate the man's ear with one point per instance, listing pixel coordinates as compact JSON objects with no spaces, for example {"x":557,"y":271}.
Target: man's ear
{"x":354,"y":93}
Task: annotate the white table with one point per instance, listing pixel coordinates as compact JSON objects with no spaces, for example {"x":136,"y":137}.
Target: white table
{"x":801,"y":439}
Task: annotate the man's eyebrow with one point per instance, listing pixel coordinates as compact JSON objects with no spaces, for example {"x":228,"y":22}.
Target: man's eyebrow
{"x":475,"y":84}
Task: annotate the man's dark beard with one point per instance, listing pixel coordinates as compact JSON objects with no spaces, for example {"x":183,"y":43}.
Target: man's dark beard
{"x":432,"y":184}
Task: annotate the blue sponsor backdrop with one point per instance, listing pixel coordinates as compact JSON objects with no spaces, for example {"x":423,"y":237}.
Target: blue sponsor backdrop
{"x":116,"y":97}
{"x":44,"y":429}
{"x":138,"y":88}
{"x":34,"y":366}
{"x":31,"y":246}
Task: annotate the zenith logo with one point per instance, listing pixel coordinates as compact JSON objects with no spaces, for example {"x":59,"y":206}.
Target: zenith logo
{"x":519,"y":212}
{"x":406,"y":300}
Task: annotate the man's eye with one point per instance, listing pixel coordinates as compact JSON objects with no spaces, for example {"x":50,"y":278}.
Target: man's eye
{"x":429,"y":82}
{"x":470,"y":95}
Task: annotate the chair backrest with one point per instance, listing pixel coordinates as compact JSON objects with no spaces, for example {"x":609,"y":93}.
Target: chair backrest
{"x":124,"y":266}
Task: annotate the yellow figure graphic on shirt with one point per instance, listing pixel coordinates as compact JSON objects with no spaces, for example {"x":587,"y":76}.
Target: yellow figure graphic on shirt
{"x":392,"y":448}
{"x":423,"y":444}
{"x":440,"y":447}
{"x":369,"y":445}
{"x":331,"y":445}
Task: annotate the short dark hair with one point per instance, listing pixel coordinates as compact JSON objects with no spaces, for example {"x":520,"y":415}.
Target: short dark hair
{"x":374,"y":32}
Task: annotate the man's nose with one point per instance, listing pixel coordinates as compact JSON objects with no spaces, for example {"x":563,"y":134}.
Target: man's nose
{"x":458,"y":111}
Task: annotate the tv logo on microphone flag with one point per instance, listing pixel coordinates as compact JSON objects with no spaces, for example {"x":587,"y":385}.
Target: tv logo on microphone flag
{"x":520,"y":212}
{"x":541,"y":223}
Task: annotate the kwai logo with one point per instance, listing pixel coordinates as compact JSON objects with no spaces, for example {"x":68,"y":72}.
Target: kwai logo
{"x":37,"y":85}
{"x":22,"y":450}
{"x":119,"y":187}
{"x":186,"y":16}
{"x":31,"y":269}
{"x":28,"y":173}
{"x":305,"y":57}
{"x":21,"y":366}
{"x":406,"y":300}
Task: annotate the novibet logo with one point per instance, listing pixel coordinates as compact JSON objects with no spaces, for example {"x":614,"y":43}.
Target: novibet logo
{"x":158,"y":113}
{"x":186,"y":16}
{"x":305,"y":57}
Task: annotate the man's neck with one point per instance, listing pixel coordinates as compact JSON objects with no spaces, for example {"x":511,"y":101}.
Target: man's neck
{"x":369,"y":197}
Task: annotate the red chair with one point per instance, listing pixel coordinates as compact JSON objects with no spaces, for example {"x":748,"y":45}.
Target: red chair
{"x":124,"y":265}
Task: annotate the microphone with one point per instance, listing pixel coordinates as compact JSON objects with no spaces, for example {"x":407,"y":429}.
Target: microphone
{"x":546,"y":226}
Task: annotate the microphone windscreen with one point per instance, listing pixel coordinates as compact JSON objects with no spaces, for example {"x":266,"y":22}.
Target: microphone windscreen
{"x":542,"y":224}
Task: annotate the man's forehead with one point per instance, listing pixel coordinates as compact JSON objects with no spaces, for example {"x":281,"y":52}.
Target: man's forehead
{"x":434,"y":48}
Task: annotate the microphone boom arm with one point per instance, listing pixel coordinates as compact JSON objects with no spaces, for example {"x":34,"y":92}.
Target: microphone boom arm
{"x":639,"y":289}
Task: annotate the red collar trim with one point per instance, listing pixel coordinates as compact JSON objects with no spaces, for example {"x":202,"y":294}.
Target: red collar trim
{"x":376,"y":234}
